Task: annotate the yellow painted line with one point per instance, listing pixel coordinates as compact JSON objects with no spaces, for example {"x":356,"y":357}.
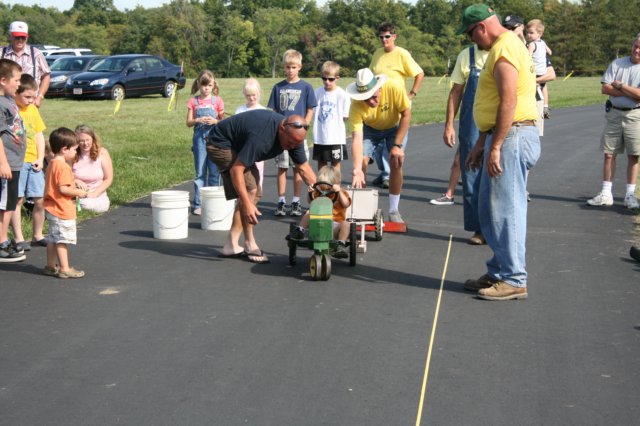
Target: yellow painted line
{"x":433,"y":335}
{"x":321,"y":216}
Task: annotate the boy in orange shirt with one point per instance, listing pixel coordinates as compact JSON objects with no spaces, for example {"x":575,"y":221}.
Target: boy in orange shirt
{"x":59,"y":190}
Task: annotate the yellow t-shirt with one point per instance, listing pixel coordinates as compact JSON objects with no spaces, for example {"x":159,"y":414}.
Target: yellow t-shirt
{"x":462,"y":68}
{"x":393,"y":101}
{"x":33,"y":124}
{"x":397,"y":64}
{"x":485,"y":107}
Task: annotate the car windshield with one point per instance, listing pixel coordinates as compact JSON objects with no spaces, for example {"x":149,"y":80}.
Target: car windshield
{"x":69,"y":64}
{"x":110,"y":64}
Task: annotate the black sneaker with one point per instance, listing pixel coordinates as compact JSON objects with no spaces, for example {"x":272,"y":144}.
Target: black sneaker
{"x":9,"y":254}
{"x":296,"y":209}
{"x":281,"y":210}
{"x":297,"y":234}
{"x":22,"y":246}
{"x":339,"y":252}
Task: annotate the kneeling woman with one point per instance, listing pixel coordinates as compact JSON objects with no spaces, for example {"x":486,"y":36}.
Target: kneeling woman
{"x":93,"y":170}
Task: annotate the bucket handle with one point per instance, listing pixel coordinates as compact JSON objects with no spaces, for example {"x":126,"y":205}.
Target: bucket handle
{"x":210,"y":221}
{"x":170,"y":227}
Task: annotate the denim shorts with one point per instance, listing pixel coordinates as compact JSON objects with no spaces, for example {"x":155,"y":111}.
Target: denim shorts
{"x":31,"y":182}
{"x":372,"y":138}
{"x":61,"y":231}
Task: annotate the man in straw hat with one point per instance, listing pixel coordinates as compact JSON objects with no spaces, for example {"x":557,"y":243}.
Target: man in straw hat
{"x":379,"y":114}
{"x":505,"y":112}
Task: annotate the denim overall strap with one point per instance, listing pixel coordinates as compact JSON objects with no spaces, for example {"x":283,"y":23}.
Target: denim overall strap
{"x":468,"y":135}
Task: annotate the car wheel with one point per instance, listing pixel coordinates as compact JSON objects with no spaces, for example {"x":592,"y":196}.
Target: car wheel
{"x":117,"y":92}
{"x":169,"y":87}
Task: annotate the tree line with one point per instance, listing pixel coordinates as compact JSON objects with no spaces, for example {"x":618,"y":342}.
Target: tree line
{"x":239,"y":38}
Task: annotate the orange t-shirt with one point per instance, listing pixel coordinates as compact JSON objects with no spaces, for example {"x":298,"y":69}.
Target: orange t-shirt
{"x":59,"y":174}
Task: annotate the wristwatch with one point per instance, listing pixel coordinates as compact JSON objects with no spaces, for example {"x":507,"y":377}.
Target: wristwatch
{"x":397,"y":145}
{"x":413,"y":93}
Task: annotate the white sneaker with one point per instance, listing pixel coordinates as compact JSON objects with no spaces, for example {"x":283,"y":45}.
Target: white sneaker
{"x":630,"y":201}
{"x":394,"y":216}
{"x":602,"y":199}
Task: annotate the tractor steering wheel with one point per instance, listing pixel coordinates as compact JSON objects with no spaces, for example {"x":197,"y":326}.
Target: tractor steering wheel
{"x":323,"y":192}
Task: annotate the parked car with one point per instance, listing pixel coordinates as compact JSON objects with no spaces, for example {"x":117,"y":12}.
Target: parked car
{"x":64,"y":67}
{"x":51,"y":59}
{"x":65,"y":51}
{"x":115,"y":77}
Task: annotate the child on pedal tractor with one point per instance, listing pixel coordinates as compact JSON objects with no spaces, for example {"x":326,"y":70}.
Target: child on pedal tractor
{"x":341,"y":201}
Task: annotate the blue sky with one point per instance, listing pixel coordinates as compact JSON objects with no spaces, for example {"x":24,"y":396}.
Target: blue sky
{"x":63,"y":5}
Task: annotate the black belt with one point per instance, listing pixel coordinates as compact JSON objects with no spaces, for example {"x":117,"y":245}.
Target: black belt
{"x":517,"y":124}
{"x":624,"y":109}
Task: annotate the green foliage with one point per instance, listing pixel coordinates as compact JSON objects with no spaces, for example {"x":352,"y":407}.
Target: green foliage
{"x":248,"y":37}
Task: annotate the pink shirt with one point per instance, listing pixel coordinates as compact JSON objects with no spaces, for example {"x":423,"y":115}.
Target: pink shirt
{"x":202,"y":103}
{"x":89,"y":171}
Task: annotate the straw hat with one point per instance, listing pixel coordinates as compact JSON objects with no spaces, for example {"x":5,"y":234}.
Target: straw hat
{"x":366,"y":84}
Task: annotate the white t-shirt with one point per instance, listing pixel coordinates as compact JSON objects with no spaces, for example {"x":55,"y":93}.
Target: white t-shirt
{"x":329,"y":117}
{"x":244,"y":108}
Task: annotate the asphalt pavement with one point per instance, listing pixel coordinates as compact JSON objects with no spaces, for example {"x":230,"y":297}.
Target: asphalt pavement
{"x":163,"y":332}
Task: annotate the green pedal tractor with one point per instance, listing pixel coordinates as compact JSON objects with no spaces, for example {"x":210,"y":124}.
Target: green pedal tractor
{"x":320,"y":238}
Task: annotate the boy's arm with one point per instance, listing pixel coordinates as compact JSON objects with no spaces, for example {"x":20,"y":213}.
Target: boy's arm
{"x":531,"y":47}
{"x":72,"y":192}
{"x":343,"y":197}
{"x":37,"y":166}
{"x":309,"y":116}
{"x":5,"y":170}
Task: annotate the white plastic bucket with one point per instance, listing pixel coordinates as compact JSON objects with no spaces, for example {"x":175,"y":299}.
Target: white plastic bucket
{"x":170,"y":214}
{"x":217,"y":211}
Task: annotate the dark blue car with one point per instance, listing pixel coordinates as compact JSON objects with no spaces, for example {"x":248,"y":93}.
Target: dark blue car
{"x":120,"y":76}
{"x":66,"y":66}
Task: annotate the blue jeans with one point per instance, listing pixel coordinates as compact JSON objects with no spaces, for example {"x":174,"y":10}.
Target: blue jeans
{"x":202,"y":166}
{"x":381,"y":153}
{"x":377,"y":144}
{"x":502,"y":205}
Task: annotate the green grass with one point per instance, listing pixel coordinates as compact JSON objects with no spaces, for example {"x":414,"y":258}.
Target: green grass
{"x":151,"y":147}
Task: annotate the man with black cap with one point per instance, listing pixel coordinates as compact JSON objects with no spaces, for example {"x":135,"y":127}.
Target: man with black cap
{"x":505,"y":112}
{"x":30,"y":59}
{"x":380,"y":114}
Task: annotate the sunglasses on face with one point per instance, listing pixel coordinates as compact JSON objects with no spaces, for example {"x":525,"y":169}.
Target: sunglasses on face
{"x":21,"y":38}
{"x":297,"y":125}
{"x":386,"y":36}
{"x":328,"y":78}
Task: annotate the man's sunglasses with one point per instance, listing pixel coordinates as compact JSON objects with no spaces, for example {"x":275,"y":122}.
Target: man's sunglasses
{"x":20,"y":38}
{"x":328,"y":78}
{"x":297,"y":125}
{"x":386,"y":36}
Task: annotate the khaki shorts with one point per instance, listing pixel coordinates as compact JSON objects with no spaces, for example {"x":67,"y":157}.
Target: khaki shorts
{"x":61,"y":231}
{"x":224,"y":159}
{"x":622,"y":132}
{"x":284,"y":162}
